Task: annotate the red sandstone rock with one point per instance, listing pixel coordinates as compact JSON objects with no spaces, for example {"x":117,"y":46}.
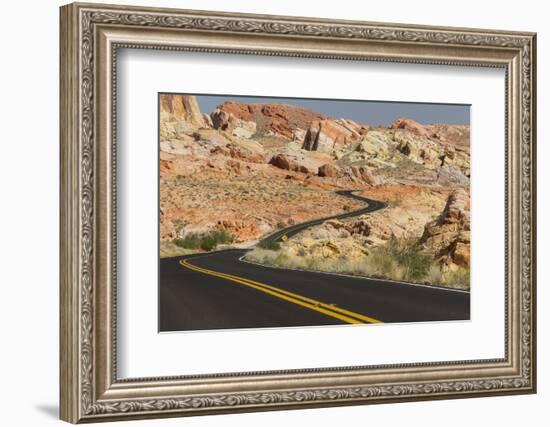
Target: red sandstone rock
{"x":282,"y":161}
{"x":278,"y":119}
{"x":328,"y":170}
{"x":411,"y":126}
{"x":328,"y":135}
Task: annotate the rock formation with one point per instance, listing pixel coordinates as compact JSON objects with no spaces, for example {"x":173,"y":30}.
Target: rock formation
{"x":329,"y":170}
{"x":410,"y":126}
{"x":448,"y":236}
{"x":358,"y":174}
{"x":182,"y":108}
{"x":330,"y":135}
{"x":180,"y":116}
{"x":456,"y":135}
{"x":285,"y":162}
{"x":225,"y":121}
{"x":272,"y":119}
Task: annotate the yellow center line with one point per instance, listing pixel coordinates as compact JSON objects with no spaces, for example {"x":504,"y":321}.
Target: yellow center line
{"x":330,"y":310}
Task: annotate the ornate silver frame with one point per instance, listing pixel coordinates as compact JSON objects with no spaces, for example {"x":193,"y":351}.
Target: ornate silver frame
{"x":90,"y":36}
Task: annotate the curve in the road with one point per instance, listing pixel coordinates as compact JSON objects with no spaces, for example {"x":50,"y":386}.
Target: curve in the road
{"x":194,"y":292}
{"x":372,"y":206}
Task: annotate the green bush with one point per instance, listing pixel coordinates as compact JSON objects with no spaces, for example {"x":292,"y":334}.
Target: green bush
{"x":205,"y":241}
{"x":383,"y":264}
{"x":416,"y":264}
{"x":272,"y":245}
{"x":191,"y":241}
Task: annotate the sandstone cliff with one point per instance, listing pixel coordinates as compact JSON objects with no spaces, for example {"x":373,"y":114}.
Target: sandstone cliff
{"x":448,"y":236}
{"x":179,"y":116}
{"x":331,"y":135}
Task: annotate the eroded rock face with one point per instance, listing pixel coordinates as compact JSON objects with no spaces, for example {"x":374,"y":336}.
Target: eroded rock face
{"x":323,"y":135}
{"x":283,"y":161}
{"x":182,"y":108}
{"x":377,"y":149}
{"x":411,"y":126}
{"x":358,"y":174}
{"x":451,"y":175}
{"x":329,"y":170}
{"x":361,"y":173}
{"x":238,"y":152}
{"x":330,"y":135}
{"x":456,"y":135}
{"x":419,"y":149}
{"x":448,"y":236}
{"x":272,"y":119}
{"x":356,"y":130}
{"x":225,"y":121}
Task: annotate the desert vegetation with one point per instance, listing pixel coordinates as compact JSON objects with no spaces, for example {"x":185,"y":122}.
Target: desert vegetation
{"x":396,"y":261}
{"x":205,"y":241}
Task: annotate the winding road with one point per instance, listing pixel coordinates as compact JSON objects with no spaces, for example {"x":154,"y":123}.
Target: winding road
{"x":220,"y":290}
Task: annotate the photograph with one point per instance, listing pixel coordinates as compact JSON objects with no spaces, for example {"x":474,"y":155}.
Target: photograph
{"x":263,"y":210}
{"x":293,"y":212}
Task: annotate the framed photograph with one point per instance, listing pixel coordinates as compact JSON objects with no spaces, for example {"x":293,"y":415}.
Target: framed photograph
{"x":267,"y":212}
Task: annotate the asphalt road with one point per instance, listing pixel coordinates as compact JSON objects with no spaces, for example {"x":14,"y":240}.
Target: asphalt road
{"x":371,"y":206}
{"x":218,"y":290}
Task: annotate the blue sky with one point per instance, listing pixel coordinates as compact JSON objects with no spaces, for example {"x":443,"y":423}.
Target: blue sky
{"x":368,"y":111}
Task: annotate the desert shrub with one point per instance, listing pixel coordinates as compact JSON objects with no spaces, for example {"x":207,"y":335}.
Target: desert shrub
{"x":169,"y":249}
{"x":271,"y":245}
{"x":314,"y":264}
{"x":400,"y":261}
{"x":275,"y":258}
{"x":282,"y":259}
{"x":205,"y":241}
{"x":459,"y":278}
{"x":381,"y":263}
{"x":412,"y":259}
{"x":257,"y":255}
{"x":191,"y":241}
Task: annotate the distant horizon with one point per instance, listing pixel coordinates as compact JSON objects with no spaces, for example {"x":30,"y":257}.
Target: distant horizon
{"x":382,"y":113}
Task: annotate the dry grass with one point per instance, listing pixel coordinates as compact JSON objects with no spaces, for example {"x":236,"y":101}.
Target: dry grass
{"x":401,"y":262}
{"x":169,"y":249}
{"x":457,"y":279}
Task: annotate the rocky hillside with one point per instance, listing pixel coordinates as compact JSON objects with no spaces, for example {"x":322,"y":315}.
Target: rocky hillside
{"x":287,"y":121}
{"x":252,"y":168}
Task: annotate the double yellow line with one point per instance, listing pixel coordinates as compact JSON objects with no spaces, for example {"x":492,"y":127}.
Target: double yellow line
{"x":328,"y":309}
